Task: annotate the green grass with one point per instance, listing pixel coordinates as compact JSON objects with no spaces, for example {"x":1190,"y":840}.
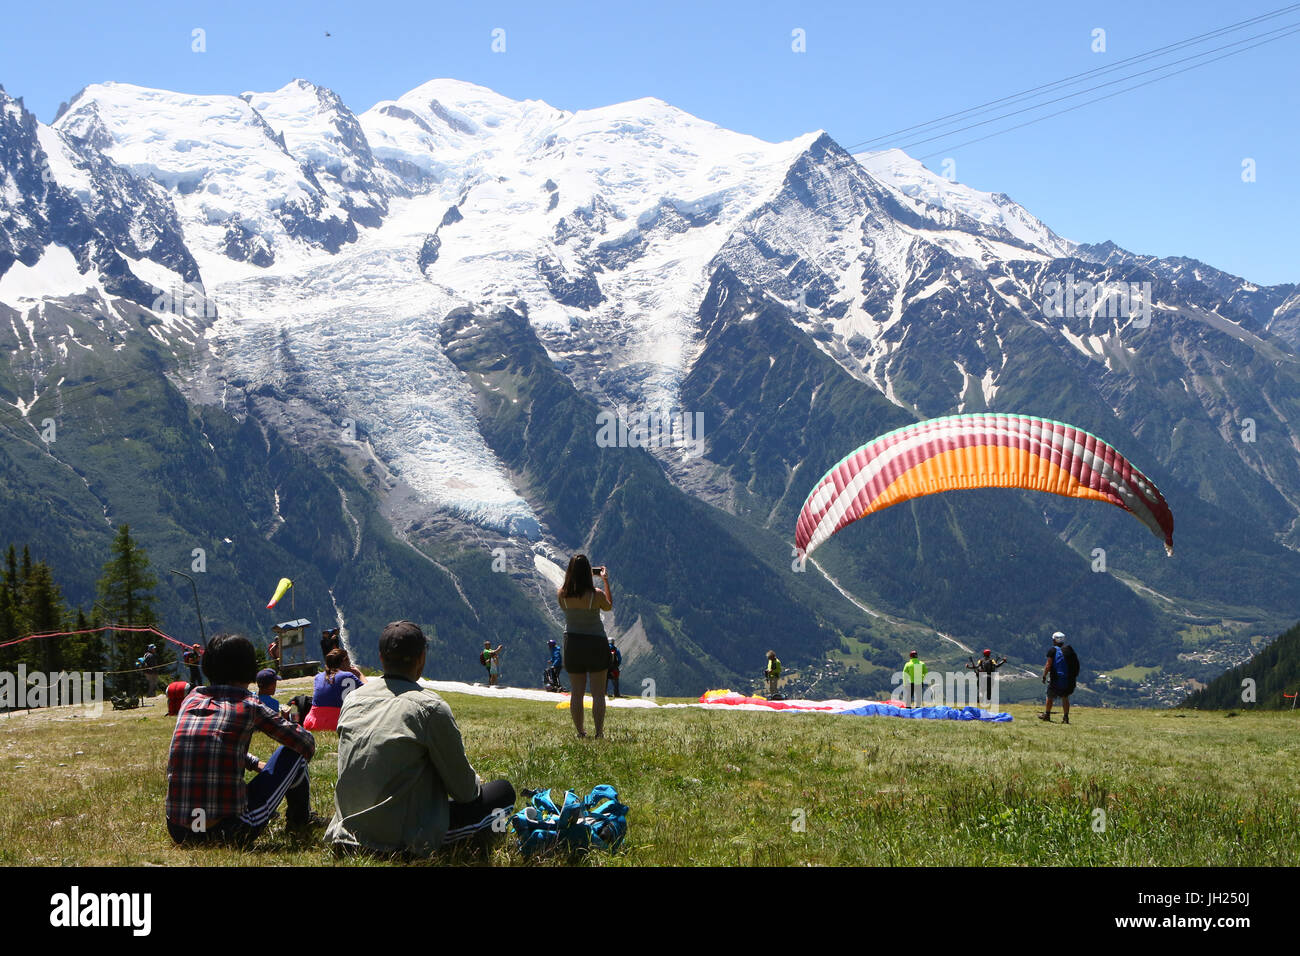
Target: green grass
{"x":1132,"y":672}
{"x":731,"y":788}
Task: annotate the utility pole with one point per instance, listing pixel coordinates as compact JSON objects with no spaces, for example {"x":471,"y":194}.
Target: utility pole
{"x":202,"y":635}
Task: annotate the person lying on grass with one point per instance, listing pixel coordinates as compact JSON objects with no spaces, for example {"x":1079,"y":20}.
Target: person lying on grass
{"x":207,"y":798}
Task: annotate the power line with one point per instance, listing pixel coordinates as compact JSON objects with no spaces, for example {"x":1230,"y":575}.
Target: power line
{"x":1292,"y":29}
{"x":1069,"y":109}
{"x":1288,"y":28}
{"x":1137,"y":58}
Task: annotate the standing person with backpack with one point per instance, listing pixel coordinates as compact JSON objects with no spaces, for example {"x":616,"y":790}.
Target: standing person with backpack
{"x":984,"y":669}
{"x":615,"y":662}
{"x":492,"y":661}
{"x":586,"y":648}
{"x":150,"y":662}
{"x":772,"y":674}
{"x":1060,"y":674}
{"x":551,"y":677}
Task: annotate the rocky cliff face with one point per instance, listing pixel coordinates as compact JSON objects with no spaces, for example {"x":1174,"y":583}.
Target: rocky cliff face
{"x":435,"y":296}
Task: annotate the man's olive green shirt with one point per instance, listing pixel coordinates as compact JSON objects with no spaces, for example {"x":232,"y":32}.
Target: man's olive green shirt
{"x":400,"y":758}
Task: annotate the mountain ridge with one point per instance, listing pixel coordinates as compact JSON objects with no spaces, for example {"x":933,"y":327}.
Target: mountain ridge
{"x":305,"y":273}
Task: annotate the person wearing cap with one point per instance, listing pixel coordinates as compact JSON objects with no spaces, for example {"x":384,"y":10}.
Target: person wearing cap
{"x":914,"y":672}
{"x":405,"y":784}
{"x":985,"y":667}
{"x":1059,"y":674}
{"x":149,"y":662}
{"x":267,"y":680}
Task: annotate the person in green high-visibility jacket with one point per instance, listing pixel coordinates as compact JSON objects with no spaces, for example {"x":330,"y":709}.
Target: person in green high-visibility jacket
{"x":914,"y":672}
{"x":772,"y":672}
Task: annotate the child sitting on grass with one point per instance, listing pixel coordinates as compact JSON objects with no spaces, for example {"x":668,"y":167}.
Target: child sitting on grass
{"x":267,"y":680}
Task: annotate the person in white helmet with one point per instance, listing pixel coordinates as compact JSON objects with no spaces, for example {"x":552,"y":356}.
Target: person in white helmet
{"x":1060,"y":674}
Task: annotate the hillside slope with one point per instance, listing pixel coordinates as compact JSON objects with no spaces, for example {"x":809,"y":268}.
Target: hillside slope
{"x":1274,"y":671}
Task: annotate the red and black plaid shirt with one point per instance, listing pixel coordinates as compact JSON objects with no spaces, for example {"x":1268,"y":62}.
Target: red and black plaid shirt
{"x":209,"y":752}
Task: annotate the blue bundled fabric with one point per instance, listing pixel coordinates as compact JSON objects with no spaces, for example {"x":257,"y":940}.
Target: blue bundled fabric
{"x":928,"y":713}
{"x":598,"y":821}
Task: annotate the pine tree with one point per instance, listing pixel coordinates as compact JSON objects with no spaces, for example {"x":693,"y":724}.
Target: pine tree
{"x":8,"y":623}
{"x":31,"y":603}
{"x":10,"y":583}
{"x":44,"y":613}
{"x":18,"y":579}
{"x":12,"y":615}
{"x":98,"y":656}
{"x":90,"y":647}
{"x":126,"y":595}
{"x":126,"y":586}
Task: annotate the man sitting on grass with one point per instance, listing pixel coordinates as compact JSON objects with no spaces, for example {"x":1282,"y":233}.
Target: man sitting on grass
{"x":207,"y":799}
{"x":401,"y":758}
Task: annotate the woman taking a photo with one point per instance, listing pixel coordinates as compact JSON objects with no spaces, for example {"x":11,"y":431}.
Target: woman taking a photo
{"x":586,"y":648}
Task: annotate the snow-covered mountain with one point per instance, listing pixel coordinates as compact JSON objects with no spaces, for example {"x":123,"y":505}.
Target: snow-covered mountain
{"x":346,"y":239}
{"x":75,"y":220}
{"x":239,"y":192}
{"x":927,"y":189}
{"x":325,"y":250}
{"x":316,"y":128}
{"x":607,"y":223}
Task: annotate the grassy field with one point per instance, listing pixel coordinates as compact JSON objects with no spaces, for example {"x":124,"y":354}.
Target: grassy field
{"x":1132,"y":672}
{"x":741,"y":788}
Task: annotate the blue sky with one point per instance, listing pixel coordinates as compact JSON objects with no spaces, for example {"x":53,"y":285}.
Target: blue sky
{"x":1157,"y":170}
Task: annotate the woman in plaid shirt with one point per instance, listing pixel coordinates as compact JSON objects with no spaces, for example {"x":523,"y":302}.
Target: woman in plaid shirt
{"x":207,"y":798}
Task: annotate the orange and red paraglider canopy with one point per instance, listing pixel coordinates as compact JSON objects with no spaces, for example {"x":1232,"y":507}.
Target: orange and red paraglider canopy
{"x":989,"y":450}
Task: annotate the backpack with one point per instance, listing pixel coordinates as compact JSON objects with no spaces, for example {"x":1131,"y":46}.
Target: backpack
{"x":301,"y":706}
{"x":1071,"y":664}
{"x":598,"y":821}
